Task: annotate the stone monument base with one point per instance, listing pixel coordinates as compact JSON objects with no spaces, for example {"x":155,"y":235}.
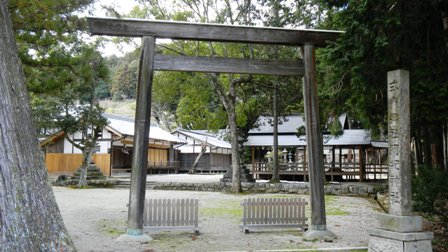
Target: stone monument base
{"x":400,"y":234}
{"x":383,"y":240}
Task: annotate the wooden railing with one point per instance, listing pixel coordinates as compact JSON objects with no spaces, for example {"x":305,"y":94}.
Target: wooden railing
{"x":348,"y":171}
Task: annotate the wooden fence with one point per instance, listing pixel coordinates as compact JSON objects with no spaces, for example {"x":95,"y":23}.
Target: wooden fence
{"x":60,"y":163}
{"x":171,"y":214}
{"x":273,"y":212}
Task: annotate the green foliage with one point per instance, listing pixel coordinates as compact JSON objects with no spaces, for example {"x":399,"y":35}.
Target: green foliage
{"x":336,"y":128}
{"x":430,"y":193}
{"x":379,"y":37}
{"x":198,"y":108}
{"x":124,"y":75}
{"x":62,"y":71}
{"x":47,"y":34}
{"x":301,"y":131}
{"x":201,"y":100}
{"x":102,"y":91}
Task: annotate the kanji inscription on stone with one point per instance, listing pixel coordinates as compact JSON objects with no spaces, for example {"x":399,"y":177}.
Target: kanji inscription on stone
{"x":399,"y":142}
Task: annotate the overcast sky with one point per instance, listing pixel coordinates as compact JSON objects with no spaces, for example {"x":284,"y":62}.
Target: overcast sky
{"x":122,"y":7}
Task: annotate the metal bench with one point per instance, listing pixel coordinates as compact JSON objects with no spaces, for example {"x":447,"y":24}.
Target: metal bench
{"x":171,"y":214}
{"x":274,"y":213}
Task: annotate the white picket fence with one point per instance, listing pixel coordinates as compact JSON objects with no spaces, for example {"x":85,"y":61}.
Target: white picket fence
{"x":171,"y":214}
{"x":274,"y":212}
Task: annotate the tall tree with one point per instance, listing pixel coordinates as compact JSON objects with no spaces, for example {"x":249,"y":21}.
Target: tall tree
{"x":382,"y":36}
{"x":62,"y":71}
{"x":47,"y":33}
{"x":238,"y":94}
{"x":29,"y":216}
{"x":224,"y":86}
{"x":77,"y":106}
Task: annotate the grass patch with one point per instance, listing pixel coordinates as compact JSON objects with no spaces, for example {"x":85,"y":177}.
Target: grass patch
{"x":172,"y":241}
{"x":77,"y":187}
{"x":227,"y":208}
{"x":336,"y":212}
{"x":221,"y":212}
{"x":330,"y":199}
{"x":114,"y":227}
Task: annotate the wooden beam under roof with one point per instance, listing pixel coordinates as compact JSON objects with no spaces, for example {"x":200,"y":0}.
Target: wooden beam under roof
{"x":209,"y":32}
{"x":226,"y":65}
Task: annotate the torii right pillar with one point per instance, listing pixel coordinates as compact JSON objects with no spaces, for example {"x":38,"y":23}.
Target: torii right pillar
{"x":399,"y":230}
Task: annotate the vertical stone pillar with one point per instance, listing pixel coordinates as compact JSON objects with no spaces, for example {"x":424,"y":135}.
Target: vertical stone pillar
{"x":399,"y":142}
{"x":318,"y":227}
{"x":399,"y":230}
{"x":141,"y":140}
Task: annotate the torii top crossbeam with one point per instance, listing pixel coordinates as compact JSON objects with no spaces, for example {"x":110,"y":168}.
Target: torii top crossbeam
{"x":209,"y":32}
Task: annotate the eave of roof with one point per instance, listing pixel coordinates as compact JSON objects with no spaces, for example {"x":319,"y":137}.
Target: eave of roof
{"x":208,"y":138}
{"x":349,"y":138}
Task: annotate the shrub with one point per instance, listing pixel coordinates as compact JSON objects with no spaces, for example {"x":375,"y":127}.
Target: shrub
{"x":430,"y":193}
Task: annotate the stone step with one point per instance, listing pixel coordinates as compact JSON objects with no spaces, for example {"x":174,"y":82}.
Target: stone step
{"x":124,"y":183}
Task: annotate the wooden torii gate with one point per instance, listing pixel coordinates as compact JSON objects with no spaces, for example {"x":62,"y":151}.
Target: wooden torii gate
{"x":150,"y":62}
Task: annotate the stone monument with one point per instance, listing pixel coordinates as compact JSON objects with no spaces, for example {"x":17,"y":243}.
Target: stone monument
{"x":399,"y":230}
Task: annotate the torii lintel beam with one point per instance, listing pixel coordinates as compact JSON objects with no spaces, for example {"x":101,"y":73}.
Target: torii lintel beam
{"x":226,"y":65}
{"x":209,"y":32}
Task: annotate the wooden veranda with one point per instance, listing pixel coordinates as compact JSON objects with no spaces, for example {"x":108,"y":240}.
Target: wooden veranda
{"x":341,"y":163}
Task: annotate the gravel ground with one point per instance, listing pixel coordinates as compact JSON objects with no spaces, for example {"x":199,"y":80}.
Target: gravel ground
{"x":96,"y":217}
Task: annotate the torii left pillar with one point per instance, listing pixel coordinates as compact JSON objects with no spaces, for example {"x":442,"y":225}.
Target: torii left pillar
{"x":141,"y":139}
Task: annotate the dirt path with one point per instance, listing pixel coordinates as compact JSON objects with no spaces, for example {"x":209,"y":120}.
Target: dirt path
{"x":96,"y":217}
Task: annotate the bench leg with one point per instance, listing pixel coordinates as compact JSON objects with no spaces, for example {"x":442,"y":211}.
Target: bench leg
{"x":246,"y":230}
{"x":196,"y":231}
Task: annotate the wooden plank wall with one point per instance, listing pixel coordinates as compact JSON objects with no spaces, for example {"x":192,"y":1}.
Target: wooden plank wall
{"x":157,"y":156}
{"x":60,"y":163}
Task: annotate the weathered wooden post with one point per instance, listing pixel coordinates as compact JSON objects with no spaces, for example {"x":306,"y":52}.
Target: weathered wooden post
{"x":141,"y":140}
{"x":318,"y":226}
{"x":399,"y":230}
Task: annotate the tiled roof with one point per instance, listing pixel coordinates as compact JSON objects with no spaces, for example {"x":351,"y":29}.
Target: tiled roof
{"x":125,"y":126}
{"x":287,"y":124}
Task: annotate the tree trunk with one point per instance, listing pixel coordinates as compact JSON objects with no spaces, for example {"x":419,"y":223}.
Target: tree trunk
{"x":275,"y":170}
{"x":87,"y":153}
{"x":437,"y":145}
{"x":445,"y":146}
{"x":236,"y":171}
{"x":196,"y":161}
{"x":29,"y":215}
{"x":228,"y":100}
